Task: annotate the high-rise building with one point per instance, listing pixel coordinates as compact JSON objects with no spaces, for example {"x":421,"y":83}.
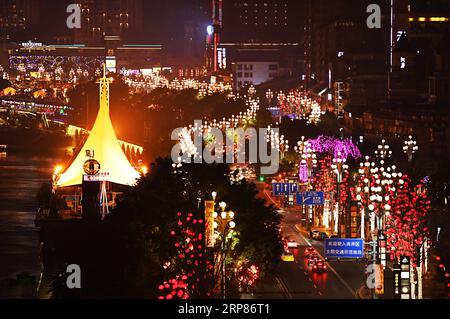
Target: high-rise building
{"x":262,"y":21}
{"x":343,"y":56}
{"x":18,"y":19}
{"x":102,"y":18}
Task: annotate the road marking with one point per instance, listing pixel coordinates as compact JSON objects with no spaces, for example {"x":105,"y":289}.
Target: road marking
{"x":329,"y":266}
{"x":284,"y":287}
{"x":265,"y":193}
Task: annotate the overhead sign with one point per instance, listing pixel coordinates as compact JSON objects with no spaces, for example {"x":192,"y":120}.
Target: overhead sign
{"x":284,"y":188}
{"x":344,"y":248}
{"x":310,"y":198}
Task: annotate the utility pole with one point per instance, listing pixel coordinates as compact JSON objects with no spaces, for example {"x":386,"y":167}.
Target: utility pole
{"x":373,"y":253}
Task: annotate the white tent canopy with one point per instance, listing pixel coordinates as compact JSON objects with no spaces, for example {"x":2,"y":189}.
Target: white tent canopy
{"x":107,"y":151}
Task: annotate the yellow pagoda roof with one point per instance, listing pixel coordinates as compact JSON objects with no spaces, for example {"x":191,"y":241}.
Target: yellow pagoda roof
{"x":106,"y":148}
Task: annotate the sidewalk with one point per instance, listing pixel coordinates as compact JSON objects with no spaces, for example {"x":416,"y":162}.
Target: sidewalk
{"x":434,"y":283}
{"x":363,"y":293}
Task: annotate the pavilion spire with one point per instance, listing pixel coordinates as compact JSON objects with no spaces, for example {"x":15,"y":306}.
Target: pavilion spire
{"x":106,"y":148}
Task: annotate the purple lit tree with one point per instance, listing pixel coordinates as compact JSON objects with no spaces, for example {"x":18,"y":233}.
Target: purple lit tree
{"x":334,"y":146}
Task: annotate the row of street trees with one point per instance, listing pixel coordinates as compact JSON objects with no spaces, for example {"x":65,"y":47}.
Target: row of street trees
{"x":152,"y":243}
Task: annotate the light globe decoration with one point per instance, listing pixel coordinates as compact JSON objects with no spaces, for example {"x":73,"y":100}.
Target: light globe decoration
{"x":224,"y":226}
{"x":277,"y":141}
{"x":383,"y":150}
{"x":383,"y":187}
{"x":363,"y":190}
{"x":269,"y":96}
{"x":339,"y":167}
{"x":410,"y":147}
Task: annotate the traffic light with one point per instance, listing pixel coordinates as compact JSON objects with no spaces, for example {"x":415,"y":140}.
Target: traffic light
{"x":262,"y":179}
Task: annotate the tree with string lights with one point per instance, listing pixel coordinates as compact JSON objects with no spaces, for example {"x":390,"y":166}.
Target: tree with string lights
{"x":189,"y":270}
{"x":406,"y":225}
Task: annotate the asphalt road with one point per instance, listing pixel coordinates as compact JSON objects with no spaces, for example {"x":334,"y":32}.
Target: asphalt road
{"x":295,"y":280}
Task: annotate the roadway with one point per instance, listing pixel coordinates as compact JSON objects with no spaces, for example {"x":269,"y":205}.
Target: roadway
{"x":295,"y":279}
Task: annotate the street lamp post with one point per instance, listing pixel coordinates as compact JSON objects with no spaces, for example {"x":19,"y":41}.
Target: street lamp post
{"x":269,"y":96}
{"x":307,"y":163}
{"x":339,"y":168}
{"x":224,"y":224}
{"x":383,"y":150}
{"x":365,"y":172}
{"x":410,"y":147}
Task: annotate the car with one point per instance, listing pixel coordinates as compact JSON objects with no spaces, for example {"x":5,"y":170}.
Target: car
{"x":309,"y":251}
{"x":313,"y":255}
{"x":319,"y":266}
{"x":323,"y":236}
{"x":312,"y":258}
{"x":287,"y":256}
{"x":292,"y":243}
{"x":318,"y":235}
{"x":314,"y":234}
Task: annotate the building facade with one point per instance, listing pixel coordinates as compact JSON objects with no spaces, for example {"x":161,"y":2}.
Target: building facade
{"x":18,"y":18}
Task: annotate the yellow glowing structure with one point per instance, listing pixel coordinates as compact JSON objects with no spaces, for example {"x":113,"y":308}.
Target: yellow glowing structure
{"x":107,"y":151}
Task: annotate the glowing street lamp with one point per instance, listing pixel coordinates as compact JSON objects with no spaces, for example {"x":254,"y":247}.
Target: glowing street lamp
{"x":339,"y":167}
{"x":224,"y":224}
{"x":410,"y":147}
{"x":269,"y":96}
{"x":308,"y":159}
{"x":383,"y":150}
{"x":365,"y":171}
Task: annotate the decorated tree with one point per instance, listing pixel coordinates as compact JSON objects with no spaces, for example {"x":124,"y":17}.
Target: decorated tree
{"x":188,"y":269}
{"x":406,"y":225}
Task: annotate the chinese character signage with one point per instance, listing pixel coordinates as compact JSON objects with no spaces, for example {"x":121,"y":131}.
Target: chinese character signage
{"x":310,"y":198}
{"x":343,"y":248}
{"x":379,"y":279}
{"x":209,"y":224}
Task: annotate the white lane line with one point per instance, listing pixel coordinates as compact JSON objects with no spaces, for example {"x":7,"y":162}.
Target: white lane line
{"x":265,"y":193}
{"x":284,"y":287}
{"x":329,"y":266}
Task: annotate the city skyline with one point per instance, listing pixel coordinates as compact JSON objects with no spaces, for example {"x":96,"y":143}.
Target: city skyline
{"x":253,"y":154}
